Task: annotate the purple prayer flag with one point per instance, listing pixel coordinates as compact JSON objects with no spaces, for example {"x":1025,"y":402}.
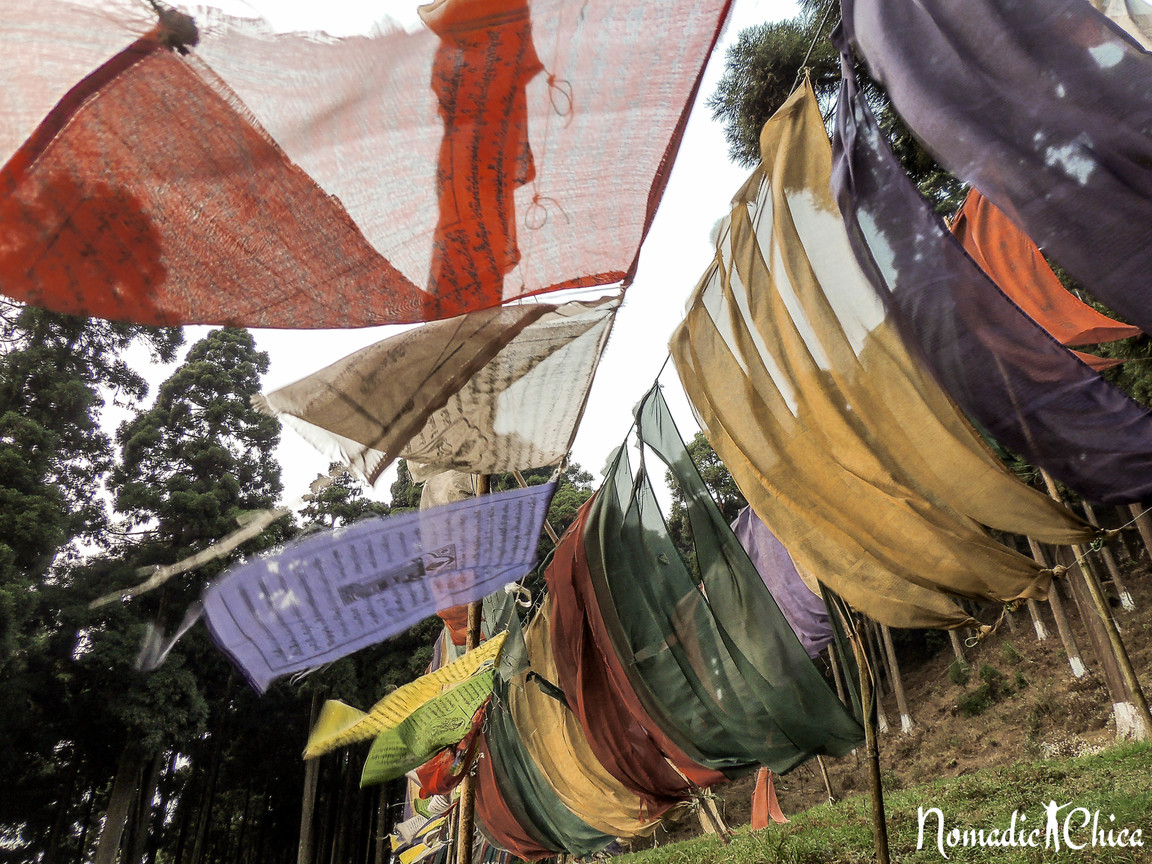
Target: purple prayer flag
{"x":806,"y":612}
{"x":1045,"y":106}
{"x":1005,"y":371}
{"x":336,"y":592}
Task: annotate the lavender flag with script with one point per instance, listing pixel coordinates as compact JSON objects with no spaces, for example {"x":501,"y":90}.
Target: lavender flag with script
{"x":1003,"y":369}
{"x":1045,"y":106}
{"x":806,"y":612}
{"x":335,"y":592}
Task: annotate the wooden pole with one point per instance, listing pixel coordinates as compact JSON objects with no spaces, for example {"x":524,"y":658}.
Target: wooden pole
{"x":873,"y":649}
{"x":906,"y":723}
{"x":548,"y":529}
{"x":1111,"y":563}
{"x":957,"y":646}
{"x":1141,"y":722}
{"x":841,"y":694}
{"x":872,"y":753}
{"x":1067,"y":637}
{"x":305,"y":847}
{"x":1143,"y":525}
{"x":827,"y":781}
{"x":1037,"y":620}
{"x":467,"y":821}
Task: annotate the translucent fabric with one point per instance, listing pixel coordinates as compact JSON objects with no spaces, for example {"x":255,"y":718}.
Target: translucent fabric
{"x":837,"y":435}
{"x":554,"y":739}
{"x":624,"y":737}
{"x":491,"y":391}
{"x":713,"y":660}
{"x":333,"y":593}
{"x":805,"y":610}
{"x":1013,"y":262}
{"x":218,"y":173}
{"x":1001,"y":367}
{"x":1045,"y":106}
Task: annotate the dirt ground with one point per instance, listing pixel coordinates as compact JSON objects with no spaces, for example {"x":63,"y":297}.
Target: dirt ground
{"x":1030,"y":707}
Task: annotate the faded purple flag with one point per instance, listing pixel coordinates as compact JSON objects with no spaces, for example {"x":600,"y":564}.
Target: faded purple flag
{"x":336,"y":592}
{"x":1007,"y":373}
{"x":805,"y":612}
{"x":1045,"y":106}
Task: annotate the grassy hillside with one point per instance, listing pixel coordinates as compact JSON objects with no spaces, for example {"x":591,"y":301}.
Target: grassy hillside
{"x":1117,"y":781}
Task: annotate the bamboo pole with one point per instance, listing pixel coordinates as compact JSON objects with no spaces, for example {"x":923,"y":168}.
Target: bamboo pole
{"x":467,"y":817}
{"x":906,"y":723}
{"x":832,"y":661}
{"x":872,"y":753}
{"x":1111,"y":563}
{"x":1142,"y":721}
{"x":1067,"y":637}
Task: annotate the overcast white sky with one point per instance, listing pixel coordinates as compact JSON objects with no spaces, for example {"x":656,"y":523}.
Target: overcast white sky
{"x":675,"y":254}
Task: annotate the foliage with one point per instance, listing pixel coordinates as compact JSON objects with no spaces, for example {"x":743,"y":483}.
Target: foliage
{"x":764,"y":64}
{"x":959,"y":673}
{"x":341,"y":502}
{"x":994,"y":687}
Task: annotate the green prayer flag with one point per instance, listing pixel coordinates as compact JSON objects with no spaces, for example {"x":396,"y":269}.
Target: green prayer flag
{"x":438,"y":723}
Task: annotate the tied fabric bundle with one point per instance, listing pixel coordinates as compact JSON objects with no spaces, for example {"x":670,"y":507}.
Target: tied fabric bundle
{"x":336,"y":592}
{"x":215,"y":172}
{"x":838,"y":437}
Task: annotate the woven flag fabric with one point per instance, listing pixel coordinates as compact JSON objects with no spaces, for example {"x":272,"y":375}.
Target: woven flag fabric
{"x":335,"y":592}
{"x":491,"y":391}
{"x":555,"y":740}
{"x":340,"y":725}
{"x":1045,"y":106}
{"x":211,"y":171}
{"x":1009,"y":375}
{"x":1013,"y":262}
{"x":836,"y":433}
{"x":804,"y":609}
{"x":711,"y":657}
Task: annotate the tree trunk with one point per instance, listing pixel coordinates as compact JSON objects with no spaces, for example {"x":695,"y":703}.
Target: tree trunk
{"x":1143,"y":525}
{"x":1111,"y":563}
{"x":119,"y":802}
{"x":144,"y":812}
{"x":1067,"y":637}
{"x":54,"y":852}
{"x":957,"y":646}
{"x":304,"y":850}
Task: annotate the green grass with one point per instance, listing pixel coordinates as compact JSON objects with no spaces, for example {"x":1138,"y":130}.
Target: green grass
{"x":1117,"y":781}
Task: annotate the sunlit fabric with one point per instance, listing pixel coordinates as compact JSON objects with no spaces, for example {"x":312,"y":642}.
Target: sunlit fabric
{"x":445,"y":719}
{"x":340,"y":725}
{"x":1133,"y":16}
{"x":490,"y":391}
{"x":804,"y":609}
{"x":1013,"y":262}
{"x":1008,"y":374}
{"x":840,"y":439}
{"x":221,"y":173}
{"x":625,"y":739}
{"x":711,"y":657}
{"x":333,"y":593}
{"x":1045,"y":106}
{"x":527,"y":793}
{"x":554,"y":739}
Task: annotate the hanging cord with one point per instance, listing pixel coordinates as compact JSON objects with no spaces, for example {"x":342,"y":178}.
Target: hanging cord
{"x":812,"y":44}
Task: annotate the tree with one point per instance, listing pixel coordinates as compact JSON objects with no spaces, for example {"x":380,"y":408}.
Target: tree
{"x":190,"y":465}
{"x":764,"y":64}
{"x":340,"y":502}
{"x":56,"y":374}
